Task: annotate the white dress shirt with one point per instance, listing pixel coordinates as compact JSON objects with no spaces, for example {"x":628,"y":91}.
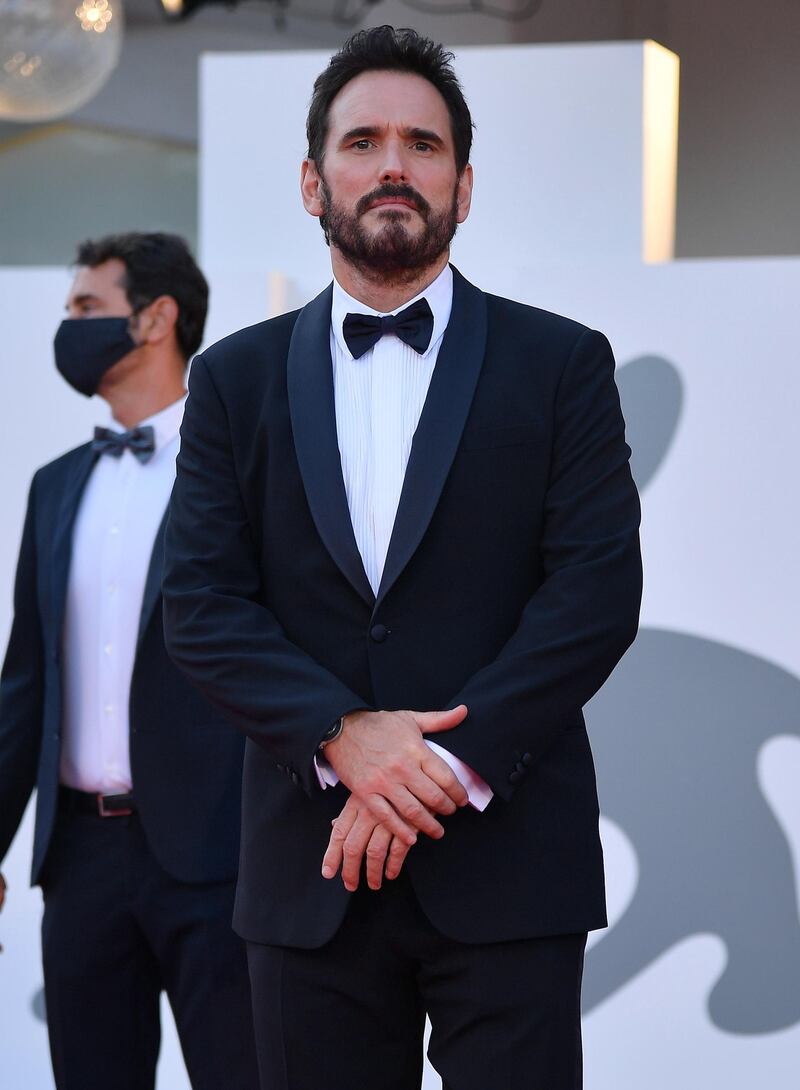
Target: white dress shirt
{"x":379,"y":399}
{"x":112,"y":541}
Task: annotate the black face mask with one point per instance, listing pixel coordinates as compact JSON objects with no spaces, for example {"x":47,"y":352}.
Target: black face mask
{"x":85,"y":348}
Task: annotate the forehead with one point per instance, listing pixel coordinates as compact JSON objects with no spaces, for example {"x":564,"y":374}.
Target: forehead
{"x":399,"y":100}
{"x":104,"y":281}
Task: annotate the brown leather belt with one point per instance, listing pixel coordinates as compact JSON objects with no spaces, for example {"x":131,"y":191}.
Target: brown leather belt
{"x":86,"y":802}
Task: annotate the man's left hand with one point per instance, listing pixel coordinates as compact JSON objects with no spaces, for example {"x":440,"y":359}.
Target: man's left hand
{"x":356,"y":835}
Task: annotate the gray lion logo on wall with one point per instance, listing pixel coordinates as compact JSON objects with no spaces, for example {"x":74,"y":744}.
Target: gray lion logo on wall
{"x":676,"y":734}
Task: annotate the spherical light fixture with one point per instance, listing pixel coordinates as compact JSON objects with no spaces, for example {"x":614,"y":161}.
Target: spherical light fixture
{"x":55,"y":55}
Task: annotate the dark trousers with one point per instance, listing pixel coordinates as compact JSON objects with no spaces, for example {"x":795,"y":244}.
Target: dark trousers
{"x":117,"y":930}
{"x":350,"y":1016}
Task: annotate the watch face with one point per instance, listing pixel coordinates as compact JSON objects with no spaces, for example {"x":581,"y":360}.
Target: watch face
{"x":331,"y":733}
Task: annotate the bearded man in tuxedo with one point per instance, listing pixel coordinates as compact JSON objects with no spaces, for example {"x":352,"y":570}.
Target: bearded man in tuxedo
{"x":402,"y":554}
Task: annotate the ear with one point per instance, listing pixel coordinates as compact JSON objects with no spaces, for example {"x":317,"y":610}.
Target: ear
{"x":158,"y":320}
{"x":464,"y":194}
{"x":311,"y":188}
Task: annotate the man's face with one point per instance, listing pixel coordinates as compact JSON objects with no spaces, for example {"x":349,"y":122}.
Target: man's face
{"x":388,"y":187}
{"x":100,"y":293}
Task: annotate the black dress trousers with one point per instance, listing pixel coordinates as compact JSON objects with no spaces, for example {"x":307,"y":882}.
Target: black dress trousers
{"x":117,"y":930}
{"x":351,"y":1015}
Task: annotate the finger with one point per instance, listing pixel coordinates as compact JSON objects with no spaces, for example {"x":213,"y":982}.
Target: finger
{"x":434,"y":722}
{"x":414,"y":812}
{"x":387,"y":815}
{"x":354,"y":848}
{"x":398,"y":851}
{"x":438,"y":770}
{"x":341,"y":826}
{"x":377,"y":849}
{"x":430,"y":794}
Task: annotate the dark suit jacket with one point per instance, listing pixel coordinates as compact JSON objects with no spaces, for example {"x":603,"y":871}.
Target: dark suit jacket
{"x":186,"y":762}
{"x":512,"y":583}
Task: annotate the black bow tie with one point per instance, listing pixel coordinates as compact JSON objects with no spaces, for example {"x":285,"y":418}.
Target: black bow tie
{"x":414,"y":326}
{"x":140,"y":441}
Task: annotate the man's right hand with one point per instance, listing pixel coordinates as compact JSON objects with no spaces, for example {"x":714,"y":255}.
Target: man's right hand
{"x":383,"y":759}
{"x":356,"y":838}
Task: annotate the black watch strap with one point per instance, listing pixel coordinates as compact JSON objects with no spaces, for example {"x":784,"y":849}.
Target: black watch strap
{"x":331,"y":733}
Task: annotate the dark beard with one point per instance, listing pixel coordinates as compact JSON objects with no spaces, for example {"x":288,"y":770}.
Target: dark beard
{"x":392,"y":251}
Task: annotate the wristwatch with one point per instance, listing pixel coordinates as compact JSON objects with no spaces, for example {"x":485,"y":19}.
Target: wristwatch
{"x":331,"y":734}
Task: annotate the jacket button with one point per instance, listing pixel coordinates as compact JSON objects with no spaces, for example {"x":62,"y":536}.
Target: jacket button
{"x":379,"y":632}
{"x":515,"y":777}
{"x":526,"y":759}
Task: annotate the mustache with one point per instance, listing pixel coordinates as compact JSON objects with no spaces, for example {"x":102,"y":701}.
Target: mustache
{"x":404,"y":192}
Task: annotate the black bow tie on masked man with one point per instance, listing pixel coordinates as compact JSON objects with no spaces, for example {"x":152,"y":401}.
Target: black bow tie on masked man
{"x":138,"y":776}
{"x":457,"y":599}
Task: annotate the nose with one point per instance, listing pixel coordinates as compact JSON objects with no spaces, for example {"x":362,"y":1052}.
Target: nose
{"x":393,"y":168}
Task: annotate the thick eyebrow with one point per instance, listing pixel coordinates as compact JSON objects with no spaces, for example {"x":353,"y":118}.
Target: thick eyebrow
{"x":428,"y":135}
{"x":359,"y":133}
{"x":79,"y":300}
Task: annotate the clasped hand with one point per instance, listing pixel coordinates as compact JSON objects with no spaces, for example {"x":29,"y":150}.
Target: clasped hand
{"x":397,"y":786}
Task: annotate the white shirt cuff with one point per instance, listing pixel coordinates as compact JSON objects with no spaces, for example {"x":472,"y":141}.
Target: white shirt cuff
{"x":478,"y":791}
{"x":325,"y":774}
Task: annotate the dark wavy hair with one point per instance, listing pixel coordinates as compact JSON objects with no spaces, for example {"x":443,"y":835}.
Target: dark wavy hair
{"x":385,"y":48}
{"x":156,"y":264}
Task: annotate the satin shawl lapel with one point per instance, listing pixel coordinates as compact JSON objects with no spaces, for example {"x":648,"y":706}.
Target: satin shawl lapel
{"x":313,"y":415}
{"x":62,"y":535}
{"x":152,"y":584}
{"x":440,"y":426}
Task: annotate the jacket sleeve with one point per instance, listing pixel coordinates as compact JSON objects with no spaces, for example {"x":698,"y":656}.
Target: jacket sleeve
{"x":217,"y":629}
{"x":584,"y":615}
{"x":21,"y":690}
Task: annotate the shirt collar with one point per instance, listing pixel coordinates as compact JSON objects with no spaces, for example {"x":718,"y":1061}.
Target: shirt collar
{"x":166,"y":423}
{"x":440,"y":299}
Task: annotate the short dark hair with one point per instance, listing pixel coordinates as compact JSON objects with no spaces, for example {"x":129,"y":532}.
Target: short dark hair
{"x":156,"y":264}
{"x":385,"y":48}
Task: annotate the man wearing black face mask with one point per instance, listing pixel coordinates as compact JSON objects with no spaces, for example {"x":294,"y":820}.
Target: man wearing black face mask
{"x":137,"y":818}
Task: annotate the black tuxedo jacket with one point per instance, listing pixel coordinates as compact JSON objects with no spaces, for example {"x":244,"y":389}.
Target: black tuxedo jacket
{"x":512,"y":584}
{"x":186,"y":762}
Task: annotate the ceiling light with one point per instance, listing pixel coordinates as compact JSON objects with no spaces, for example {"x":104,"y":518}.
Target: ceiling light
{"x":182,"y":9}
{"x":55,"y":55}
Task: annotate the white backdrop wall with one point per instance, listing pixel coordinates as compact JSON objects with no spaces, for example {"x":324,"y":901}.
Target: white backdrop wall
{"x":697,"y":735}
{"x":588,"y":166}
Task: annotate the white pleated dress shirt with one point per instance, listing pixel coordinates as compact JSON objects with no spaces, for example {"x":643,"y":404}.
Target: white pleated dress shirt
{"x":379,"y":399}
{"x":112,"y":542}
